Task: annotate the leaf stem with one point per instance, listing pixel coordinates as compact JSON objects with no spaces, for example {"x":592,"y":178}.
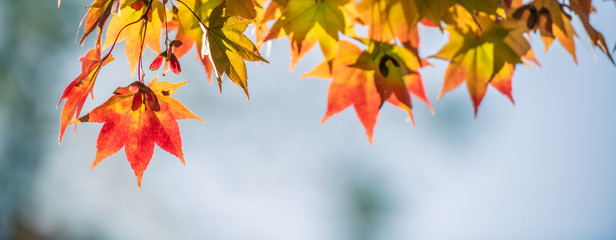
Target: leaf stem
{"x":140,"y":65}
{"x":116,"y":39}
{"x":198,"y":18}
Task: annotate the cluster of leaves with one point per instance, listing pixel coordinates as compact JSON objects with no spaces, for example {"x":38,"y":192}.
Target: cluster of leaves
{"x":487,"y":40}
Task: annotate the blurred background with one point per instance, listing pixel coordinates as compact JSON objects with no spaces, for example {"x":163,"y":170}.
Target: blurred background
{"x":266,"y":169}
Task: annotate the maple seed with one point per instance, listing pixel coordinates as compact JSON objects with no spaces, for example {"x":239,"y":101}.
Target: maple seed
{"x":138,"y":100}
{"x":158,"y":61}
{"x":175,"y":64}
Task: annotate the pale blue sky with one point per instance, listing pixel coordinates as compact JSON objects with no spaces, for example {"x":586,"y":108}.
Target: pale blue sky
{"x":266,"y":169}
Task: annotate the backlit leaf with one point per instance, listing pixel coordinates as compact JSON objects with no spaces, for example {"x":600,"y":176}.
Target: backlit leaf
{"x":136,"y":117}
{"x":77,"y":91}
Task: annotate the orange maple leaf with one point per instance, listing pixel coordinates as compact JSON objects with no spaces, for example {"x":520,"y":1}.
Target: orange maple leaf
{"x":136,"y":117}
{"x":350,"y":85}
{"x":97,"y":16}
{"x":395,"y":72}
{"x":359,"y":84}
{"x":77,"y":91}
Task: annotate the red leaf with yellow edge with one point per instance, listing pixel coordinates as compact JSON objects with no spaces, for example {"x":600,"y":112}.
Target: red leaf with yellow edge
{"x":395,"y":71}
{"x":350,"y":85}
{"x":502,"y":80}
{"x":146,"y":32}
{"x":136,"y":117}
{"x":483,"y":55}
{"x":77,"y":91}
{"x":358,"y":79}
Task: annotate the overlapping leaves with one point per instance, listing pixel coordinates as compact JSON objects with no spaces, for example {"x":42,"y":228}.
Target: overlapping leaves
{"x":488,"y":40}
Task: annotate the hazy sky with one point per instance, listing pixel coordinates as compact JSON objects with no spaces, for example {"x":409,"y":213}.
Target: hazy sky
{"x":266,"y":169}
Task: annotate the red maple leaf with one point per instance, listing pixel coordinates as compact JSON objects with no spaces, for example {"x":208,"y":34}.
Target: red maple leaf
{"x":136,"y":117}
{"x":77,"y":91}
{"x":366,"y":83}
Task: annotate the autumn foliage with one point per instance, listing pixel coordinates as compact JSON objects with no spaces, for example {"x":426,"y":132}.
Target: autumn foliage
{"x":370,"y":50}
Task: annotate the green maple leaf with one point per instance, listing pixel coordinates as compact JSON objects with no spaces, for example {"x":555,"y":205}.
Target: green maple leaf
{"x":227,"y":47}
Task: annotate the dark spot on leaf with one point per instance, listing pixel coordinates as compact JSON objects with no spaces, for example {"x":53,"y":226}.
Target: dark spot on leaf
{"x":517,"y":14}
{"x":532,"y":19}
{"x":548,"y":19}
{"x":383,"y":64}
{"x":165,"y":92}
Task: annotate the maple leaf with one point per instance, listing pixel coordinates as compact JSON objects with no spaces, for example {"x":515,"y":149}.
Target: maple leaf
{"x":309,"y":21}
{"x":366,"y":83}
{"x":97,"y":16}
{"x":483,"y":55}
{"x":273,"y":11}
{"x":548,"y":17}
{"x":136,"y":117}
{"x":583,"y":8}
{"x":77,"y":91}
{"x":137,"y":36}
{"x":395,"y":73}
{"x":350,"y":85}
{"x":241,"y":8}
{"x":226,"y":47}
{"x":389,"y":19}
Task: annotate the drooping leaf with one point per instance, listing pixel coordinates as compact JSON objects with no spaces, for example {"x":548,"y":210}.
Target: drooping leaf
{"x":227,"y":47}
{"x":479,"y":56}
{"x":77,"y":91}
{"x":309,"y":21}
{"x":350,"y":85}
{"x":189,"y":29}
{"x":368,"y":78}
{"x":583,"y":8}
{"x":548,"y":17}
{"x":273,"y":11}
{"x":395,"y":72}
{"x":387,"y":19}
{"x":97,"y":16}
{"x":136,"y":117}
